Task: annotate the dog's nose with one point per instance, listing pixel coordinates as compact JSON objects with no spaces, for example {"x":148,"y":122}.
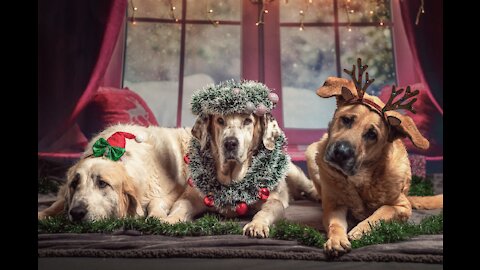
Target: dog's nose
{"x":230,"y":143}
{"x":342,"y":151}
{"x":78,"y":212}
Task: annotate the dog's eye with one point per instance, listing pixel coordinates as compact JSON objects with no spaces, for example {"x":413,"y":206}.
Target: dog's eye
{"x":75,"y":181}
{"x":220,"y":121}
{"x":370,"y":135}
{"x":247,"y":121}
{"x":347,"y":121}
{"x":102,"y":184}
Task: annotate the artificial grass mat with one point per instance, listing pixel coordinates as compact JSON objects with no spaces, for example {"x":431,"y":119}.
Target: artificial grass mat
{"x":210,"y":224}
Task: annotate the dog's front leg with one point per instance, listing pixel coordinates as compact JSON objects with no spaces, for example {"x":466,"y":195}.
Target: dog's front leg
{"x":335,"y":222}
{"x":56,"y":208}
{"x":271,"y":211}
{"x":160,"y":207}
{"x":186,"y":207}
{"x":400,"y":210}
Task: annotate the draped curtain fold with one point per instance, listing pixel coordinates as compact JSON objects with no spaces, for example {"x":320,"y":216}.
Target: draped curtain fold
{"x":76,"y":42}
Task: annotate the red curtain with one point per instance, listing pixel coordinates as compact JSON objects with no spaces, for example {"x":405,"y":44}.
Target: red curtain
{"x":426,"y":44}
{"x":76,"y":42}
{"x":425,"y":56}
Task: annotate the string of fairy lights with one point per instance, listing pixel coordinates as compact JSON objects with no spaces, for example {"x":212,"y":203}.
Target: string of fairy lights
{"x":374,"y":7}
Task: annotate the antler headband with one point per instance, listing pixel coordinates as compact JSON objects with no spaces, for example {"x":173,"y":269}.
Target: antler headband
{"x":361,"y":89}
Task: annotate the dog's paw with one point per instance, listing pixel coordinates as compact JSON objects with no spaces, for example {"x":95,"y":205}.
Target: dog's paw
{"x":157,"y":214}
{"x":256,"y":229}
{"x":337,"y":245}
{"x":41,"y":216}
{"x":172,"y":219}
{"x":358,"y":231}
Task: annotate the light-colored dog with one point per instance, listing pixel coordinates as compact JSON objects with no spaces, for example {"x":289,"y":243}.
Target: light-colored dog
{"x":361,"y":166}
{"x":234,"y":139}
{"x":147,"y":179}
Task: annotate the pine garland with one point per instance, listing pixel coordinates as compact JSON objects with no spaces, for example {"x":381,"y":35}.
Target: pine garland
{"x":267,"y":169}
{"x":232,"y":97}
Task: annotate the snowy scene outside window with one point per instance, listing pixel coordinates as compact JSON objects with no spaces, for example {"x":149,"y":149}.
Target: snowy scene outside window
{"x":318,"y":38}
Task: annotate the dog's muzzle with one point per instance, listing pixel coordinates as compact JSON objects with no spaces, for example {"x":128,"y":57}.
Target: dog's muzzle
{"x":78,"y":212}
{"x":230,"y":147}
{"x":341,"y":155}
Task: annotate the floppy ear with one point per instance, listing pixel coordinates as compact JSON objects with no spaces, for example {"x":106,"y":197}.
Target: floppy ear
{"x":271,"y":131}
{"x":403,"y":126}
{"x":200,"y":129}
{"x":132,"y":205}
{"x":340,"y":88}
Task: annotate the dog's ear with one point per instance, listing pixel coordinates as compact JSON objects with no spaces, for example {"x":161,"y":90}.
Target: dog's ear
{"x":271,"y":131}
{"x":403,"y":126}
{"x":65,"y":191}
{"x":132,"y":205}
{"x":200,"y":129}
{"x":340,"y":88}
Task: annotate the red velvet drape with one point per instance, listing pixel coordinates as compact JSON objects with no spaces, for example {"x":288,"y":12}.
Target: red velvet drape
{"x":426,"y":44}
{"x":420,"y":64}
{"x":76,"y":42}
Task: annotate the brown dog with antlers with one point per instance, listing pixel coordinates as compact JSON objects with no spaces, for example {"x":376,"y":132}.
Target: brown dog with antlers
{"x":361,"y":165}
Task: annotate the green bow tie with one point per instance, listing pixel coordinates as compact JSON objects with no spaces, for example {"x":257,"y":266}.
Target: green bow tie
{"x":103,"y":148}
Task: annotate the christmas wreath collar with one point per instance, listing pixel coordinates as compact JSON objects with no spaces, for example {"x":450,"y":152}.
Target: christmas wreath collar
{"x":267,"y":169}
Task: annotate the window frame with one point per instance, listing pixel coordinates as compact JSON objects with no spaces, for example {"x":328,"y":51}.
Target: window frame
{"x":261,"y":56}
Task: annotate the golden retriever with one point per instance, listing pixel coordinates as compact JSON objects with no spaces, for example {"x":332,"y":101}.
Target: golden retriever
{"x":361,"y":166}
{"x":234,"y":139}
{"x":147,"y":179}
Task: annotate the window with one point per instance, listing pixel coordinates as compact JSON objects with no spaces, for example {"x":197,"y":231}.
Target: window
{"x":170,"y":52}
{"x":319,"y":39}
{"x":173,"y":47}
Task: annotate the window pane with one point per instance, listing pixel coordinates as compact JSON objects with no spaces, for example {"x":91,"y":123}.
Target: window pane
{"x":364,"y":11}
{"x":212,"y":54}
{"x":374,"y":46}
{"x":159,"y":9}
{"x":308,"y":58}
{"x":317,"y":11}
{"x":152,"y":67}
{"x":228,"y":10}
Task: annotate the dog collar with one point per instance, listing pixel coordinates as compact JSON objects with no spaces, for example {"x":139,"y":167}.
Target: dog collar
{"x":264,"y":174}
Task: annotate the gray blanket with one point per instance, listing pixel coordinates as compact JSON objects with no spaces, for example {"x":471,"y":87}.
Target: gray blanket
{"x":132,"y":244}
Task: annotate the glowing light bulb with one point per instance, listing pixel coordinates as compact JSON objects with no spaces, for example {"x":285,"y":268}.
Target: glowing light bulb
{"x":257,"y":23}
{"x":173,"y":8}
{"x":371,"y":11}
{"x":266,"y":11}
{"x":352,"y":11}
{"x":301,"y":12}
{"x":301,"y":28}
{"x":349,"y":29}
{"x":210,"y":11}
{"x":135,"y":8}
{"x":381,"y":23}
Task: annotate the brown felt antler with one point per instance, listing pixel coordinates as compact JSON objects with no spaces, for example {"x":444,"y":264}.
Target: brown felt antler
{"x":358,"y":81}
{"x":398,"y":104}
